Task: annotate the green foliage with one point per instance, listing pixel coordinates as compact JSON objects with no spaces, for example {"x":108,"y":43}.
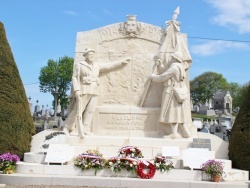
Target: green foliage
{"x":203,"y":87}
{"x":238,"y":93}
{"x":239,"y":150}
{"x":16,"y":124}
{"x":57,"y":74}
{"x":204,"y":117}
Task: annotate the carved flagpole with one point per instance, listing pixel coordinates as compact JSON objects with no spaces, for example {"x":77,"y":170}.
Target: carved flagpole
{"x":147,"y":87}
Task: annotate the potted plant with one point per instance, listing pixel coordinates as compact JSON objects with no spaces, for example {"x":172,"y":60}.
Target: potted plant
{"x":214,"y":169}
{"x":8,"y":163}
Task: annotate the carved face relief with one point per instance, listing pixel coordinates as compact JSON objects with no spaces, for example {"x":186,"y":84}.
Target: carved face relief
{"x":90,"y":57}
{"x":131,"y":27}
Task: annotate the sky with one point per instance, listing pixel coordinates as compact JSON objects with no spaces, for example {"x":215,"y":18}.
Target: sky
{"x":218,"y":32}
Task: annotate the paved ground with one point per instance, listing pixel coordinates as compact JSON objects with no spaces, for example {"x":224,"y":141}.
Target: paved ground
{"x":50,"y":186}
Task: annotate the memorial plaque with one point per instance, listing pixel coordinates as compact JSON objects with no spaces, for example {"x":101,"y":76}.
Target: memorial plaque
{"x":202,"y":143}
{"x":59,"y":153}
{"x":195,"y":157}
{"x":170,"y":151}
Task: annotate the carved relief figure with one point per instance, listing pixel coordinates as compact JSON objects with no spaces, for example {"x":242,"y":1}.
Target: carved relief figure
{"x":85,"y":90}
{"x":174,"y":94}
{"x":173,"y":61}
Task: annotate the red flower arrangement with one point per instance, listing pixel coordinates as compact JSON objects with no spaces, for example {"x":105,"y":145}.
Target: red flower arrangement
{"x":146,"y":170}
{"x":130,"y":151}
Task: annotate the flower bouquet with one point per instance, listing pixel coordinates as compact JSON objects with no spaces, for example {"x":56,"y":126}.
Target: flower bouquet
{"x":130,"y":164}
{"x":8,"y":163}
{"x":130,"y":151}
{"x":213,"y":168}
{"x":116,"y":164}
{"x":163,"y":164}
{"x":92,"y":159}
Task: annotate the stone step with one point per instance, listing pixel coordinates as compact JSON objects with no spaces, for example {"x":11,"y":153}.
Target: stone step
{"x":118,"y":182}
{"x":150,"y":146}
{"x":176,"y":174}
{"x":39,"y":158}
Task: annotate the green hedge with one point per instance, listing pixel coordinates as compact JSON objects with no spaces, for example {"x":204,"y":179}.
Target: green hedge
{"x":239,"y":145}
{"x":16,"y":125}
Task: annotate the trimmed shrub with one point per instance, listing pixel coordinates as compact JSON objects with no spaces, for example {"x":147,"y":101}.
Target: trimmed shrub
{"x":16,"y":125}
{"x":239,"y":145}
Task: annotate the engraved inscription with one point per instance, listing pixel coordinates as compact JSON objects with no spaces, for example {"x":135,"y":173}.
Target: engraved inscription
{"x":136,"y":122}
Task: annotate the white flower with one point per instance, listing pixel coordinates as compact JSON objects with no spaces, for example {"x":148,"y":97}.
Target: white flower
{"x":112,"y":168}
{"x":134,"y":163}
{"x":110,"y":163}
{"x":130,"y":165}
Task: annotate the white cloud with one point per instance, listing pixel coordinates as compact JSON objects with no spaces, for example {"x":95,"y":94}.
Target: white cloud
{"x":216,"y":47}
{"x":234,"y":14}
{"x":70,"y":12}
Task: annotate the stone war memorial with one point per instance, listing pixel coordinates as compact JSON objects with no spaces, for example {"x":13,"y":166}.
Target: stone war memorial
{"x":129,"y":100}
{"x":130,"y":93}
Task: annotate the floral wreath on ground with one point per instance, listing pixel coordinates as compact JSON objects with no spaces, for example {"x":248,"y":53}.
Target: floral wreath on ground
{"x":116,"y":164}
{"x":90,"y":159}
{"x":146,"y":170}
{"x":130,"y":151}
{"x":8,"y":163}
{"x":128,"y":159}
{"x":163,"y":164}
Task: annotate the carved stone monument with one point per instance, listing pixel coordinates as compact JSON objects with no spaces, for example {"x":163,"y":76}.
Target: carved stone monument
{"x":129,"y":102}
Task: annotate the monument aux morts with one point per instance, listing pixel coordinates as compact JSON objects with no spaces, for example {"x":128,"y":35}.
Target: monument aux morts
{"x":127,"y":99}
{"x":130,"y":89}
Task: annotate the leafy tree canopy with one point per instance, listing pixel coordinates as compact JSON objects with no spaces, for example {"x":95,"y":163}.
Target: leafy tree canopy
{"x":203,"y":87}
{"x":57,"y":73}
{"x":238,"y":93}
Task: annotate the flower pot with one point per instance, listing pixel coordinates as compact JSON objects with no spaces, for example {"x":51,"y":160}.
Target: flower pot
{"x":216,"y":178}
{"x":9,"y":170}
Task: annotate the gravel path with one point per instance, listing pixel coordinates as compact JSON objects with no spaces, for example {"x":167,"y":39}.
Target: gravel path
{"x":51,"y":186}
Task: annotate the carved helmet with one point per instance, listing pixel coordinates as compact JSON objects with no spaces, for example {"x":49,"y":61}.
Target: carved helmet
{"x":87,"y":50}
{"x":178,"y":56}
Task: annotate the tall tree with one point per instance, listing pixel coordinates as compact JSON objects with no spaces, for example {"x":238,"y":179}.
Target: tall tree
{"x":16,"y":124}
{"x":57,"y":74}
{"x":238,"y":93}
{"x":239,"y":151}
{"x":203,"y":87}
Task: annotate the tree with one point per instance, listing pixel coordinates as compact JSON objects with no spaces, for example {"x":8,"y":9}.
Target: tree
{"x":16,"y":124}
{"x":57,"y":74}
{"x":235,"y":91}
{"x":239,"y":151}
{"x":238,"y":93}
{"x":203,"y":87}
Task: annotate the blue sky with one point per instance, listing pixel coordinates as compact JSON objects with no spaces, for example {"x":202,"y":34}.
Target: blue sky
{"x":46,"y":29}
